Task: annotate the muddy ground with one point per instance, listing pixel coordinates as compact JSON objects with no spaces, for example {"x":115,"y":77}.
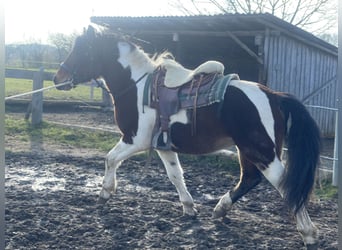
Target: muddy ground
{"x":51,"y":194}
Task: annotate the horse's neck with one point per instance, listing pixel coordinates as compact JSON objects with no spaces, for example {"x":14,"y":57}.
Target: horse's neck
{"x":138,"y":62}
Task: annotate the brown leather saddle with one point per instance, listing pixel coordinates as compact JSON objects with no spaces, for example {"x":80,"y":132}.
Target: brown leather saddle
{"x":200,"y":91}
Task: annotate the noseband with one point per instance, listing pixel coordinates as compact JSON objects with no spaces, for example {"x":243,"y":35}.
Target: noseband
{"x":66,"y":68}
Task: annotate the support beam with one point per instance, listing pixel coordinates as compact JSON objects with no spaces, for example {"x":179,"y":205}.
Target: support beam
{"x":245,"y":47}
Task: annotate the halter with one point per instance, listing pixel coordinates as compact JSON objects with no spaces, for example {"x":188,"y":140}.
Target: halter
{"x":66,"y":68}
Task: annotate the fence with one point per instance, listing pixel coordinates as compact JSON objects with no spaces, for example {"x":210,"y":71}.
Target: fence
{"x":333,"y":168}
{"x":36,"y":105}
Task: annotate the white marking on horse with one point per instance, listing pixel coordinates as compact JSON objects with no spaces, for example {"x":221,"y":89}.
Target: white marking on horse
{"x":180,"y":116}
{"x":133,"y":57}
{"x":261,"y":102}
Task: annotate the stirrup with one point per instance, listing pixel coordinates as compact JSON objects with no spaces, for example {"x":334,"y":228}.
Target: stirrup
{"x":161,"y":140}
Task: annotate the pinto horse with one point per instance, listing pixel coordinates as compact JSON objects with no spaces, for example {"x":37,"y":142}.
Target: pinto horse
{"x":251,"y":116}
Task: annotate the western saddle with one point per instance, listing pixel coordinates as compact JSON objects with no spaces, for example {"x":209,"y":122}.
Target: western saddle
{"x":173,"y":87}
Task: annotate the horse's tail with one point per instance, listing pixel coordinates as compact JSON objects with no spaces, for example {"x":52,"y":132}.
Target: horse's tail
{"x":304,"y":144}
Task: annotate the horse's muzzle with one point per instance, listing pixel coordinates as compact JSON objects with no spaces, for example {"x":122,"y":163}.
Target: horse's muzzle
{"x":61,"y":78}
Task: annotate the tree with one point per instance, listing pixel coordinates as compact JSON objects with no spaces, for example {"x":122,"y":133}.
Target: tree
{"x":317,"y":16}
{"x":63,"y":43}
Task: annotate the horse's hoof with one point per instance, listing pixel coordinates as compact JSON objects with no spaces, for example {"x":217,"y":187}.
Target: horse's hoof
{"x":189,"y":212}
{"x":312,"y":246}
{"x":101,"y":201}
{"x":219,"y":213}
{"x":187,"y":217}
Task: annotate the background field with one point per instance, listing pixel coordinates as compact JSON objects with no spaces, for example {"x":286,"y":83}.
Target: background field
{"x":15,"y":86}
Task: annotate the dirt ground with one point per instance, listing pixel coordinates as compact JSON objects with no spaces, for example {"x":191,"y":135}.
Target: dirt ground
{"x":51,"y":194}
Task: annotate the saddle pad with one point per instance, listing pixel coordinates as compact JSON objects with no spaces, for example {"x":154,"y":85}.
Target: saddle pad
{"x":203,"y":97}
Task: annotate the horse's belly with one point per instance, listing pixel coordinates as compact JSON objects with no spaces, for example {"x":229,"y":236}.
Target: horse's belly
{"x":186,"y":139}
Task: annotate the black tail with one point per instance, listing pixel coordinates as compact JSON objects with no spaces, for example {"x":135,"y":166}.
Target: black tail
{"x":304,"y":144}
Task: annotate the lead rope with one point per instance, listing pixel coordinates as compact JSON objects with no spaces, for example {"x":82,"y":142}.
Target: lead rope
{"x":37,"y":90}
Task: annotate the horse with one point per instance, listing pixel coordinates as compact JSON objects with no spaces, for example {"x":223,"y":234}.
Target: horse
{"x":254,"y":118}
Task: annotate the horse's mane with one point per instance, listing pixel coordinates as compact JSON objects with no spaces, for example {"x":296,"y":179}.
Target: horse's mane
{"x":139,"y":56}
{"x":165,"y":58}
{"x":157,"y":59}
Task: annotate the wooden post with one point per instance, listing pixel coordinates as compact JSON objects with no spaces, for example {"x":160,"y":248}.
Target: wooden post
{"x":37,"y":98}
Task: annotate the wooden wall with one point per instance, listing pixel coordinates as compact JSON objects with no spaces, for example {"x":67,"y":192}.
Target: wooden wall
{"x":305,"y":71}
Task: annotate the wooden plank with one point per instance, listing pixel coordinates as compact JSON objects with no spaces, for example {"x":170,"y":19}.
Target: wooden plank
{"x":27,"y":74}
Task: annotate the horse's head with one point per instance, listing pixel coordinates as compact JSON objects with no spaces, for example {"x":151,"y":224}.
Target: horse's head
{"x":85,"y":60}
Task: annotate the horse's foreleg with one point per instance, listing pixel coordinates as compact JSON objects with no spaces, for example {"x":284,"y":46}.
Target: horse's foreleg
{"x":306,"y":228}
{"x":175,"y":174}
{"x":250,"y":177}
{"x":114,"y":158}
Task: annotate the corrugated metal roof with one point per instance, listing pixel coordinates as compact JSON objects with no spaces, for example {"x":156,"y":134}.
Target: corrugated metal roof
{"x":209,"y":24}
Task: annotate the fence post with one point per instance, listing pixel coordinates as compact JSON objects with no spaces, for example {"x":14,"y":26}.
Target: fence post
{"x":37,"y":98}
{"x":335,"y":163}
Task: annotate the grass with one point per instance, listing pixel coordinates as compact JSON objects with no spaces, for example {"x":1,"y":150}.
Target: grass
{"x":24,"y":131}
{"x":326,"y":190}
{"x":15,"y":86}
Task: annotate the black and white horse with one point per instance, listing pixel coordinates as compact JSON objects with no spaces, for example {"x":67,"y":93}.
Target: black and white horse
{"x":254,"y":118}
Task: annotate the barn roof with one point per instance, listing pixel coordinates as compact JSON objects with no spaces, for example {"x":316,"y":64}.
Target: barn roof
{"x":215,"y":25}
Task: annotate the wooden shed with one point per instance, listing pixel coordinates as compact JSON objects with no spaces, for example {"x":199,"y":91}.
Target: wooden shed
{"x":259,"y":47}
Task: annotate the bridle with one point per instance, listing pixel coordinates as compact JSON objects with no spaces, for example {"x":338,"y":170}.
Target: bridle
{"x":72,"y":71}
{"x":65,"y":67}
{"x":100,"y":84}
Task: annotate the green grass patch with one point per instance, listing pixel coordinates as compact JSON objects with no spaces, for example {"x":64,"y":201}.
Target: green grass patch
{"x":326,"y":190}
{"x":47,"y":132}
{"x":15,"y":86}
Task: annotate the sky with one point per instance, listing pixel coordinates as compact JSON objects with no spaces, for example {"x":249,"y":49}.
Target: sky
{"x":29,"y":21}
{"x":34,"y":20}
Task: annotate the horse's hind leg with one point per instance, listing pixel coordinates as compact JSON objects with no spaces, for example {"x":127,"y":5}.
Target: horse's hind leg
{"x":175,"y":174}
{"x":306,"y":228}
{"x":250,"y":177}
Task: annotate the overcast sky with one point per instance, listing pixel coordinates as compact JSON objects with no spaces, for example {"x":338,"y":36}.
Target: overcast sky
{"x":33,"y":20}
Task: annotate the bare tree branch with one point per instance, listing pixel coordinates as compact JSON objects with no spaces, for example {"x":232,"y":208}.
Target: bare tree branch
{"x":312,"y":15}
